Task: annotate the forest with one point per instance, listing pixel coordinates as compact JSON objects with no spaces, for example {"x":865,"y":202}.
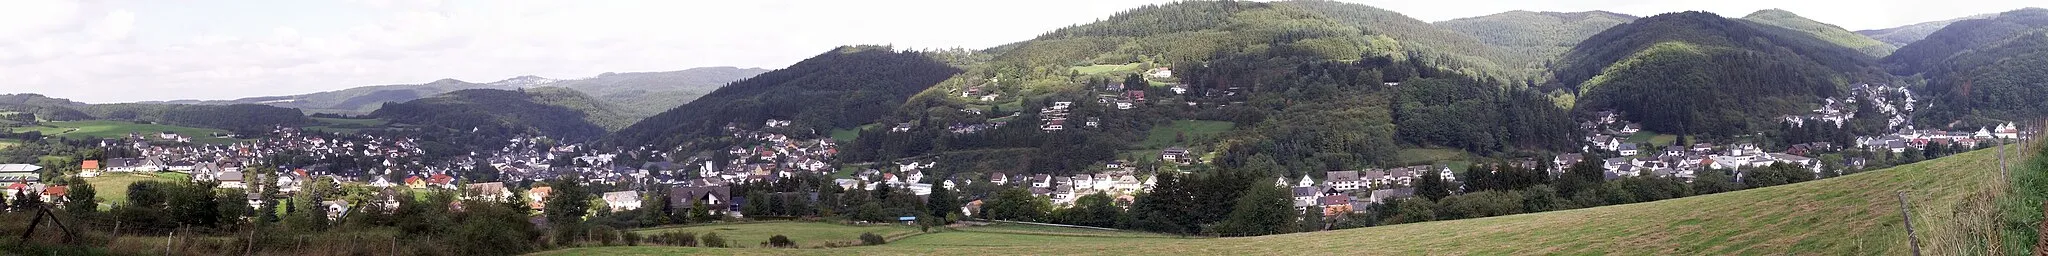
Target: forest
{"x":843,"y":88}
{"x":495,"y":114}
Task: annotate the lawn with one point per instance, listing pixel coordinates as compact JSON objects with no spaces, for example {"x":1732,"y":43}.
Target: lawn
{"x":1655,"y":139}
{"x":1421,"y":156}
{"x":1851,"y":215}
{"x":806,"y":234}
{"x":119,"y":129}
{"x":1183,"y":132}
{"x":1103,"y":69}
{"x":113,"y":187}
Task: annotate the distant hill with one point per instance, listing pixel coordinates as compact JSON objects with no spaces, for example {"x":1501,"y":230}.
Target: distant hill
{"x":643,"y":94}
{"x":1536,"y":37}
{"x":234,"y":117}
{"x":1824,"y":31}
{"x":554,"y":112}
{"x":1994,"y":68}
{"x":1903,"y":35}
{"x":1699,"y":73}
{"x":846,"y":87}
{"x":44,"y":107}
{"x":1463,"y":53}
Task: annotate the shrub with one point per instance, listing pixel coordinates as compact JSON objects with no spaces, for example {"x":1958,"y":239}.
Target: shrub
{"x":675,"y":238}
{"x":632,"y":239}
{"x":712,"y":240}
{"x":872,"y":239}
{"x":779,"y":241}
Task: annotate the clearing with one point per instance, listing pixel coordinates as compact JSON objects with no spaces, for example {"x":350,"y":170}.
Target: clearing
{"x":1183,"y":132}
{"x":1851,"y":215}
{"x":113,"y":186}
{"x":1104,"y":69}
{"x":119,"y":129}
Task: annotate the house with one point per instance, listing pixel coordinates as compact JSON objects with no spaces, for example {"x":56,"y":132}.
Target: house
{"x":622,"y":200}
{"x":1041,"y":181}
{"x":55,"y":194}
{"x":998,"y":178}
{"x":1174,"y":154}
{"x":128,"y":164}
{"x":540,"y":196}
{"x":1305,"y":197}
{"x":1335,"y":205}
{"x":716,"y":199}
{"x":335,"y":209}
{"x":490,"y":191}
{"x":1565,"y":161}
{"x":1627,"y":149}
{"x":1343,"y":180}
{"x":1389,"y":195}
{"x":231,"y":179}
{"x":89,"y":168}
{"x":1161,"y":72}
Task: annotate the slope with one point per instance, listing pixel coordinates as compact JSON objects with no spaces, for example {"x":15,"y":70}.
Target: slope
{"x":643,"y":94}
{"x":1457,"y":51}
{"x":489,"y":113}
{"x":846,"y":87}
{"x":1699,"y":73}
{"x":1856,"y":214}
{"x":1982,"y":70}
{"x":1904,"y":35}
{"x":1824,"y":31}
{"x":1536,"y":37}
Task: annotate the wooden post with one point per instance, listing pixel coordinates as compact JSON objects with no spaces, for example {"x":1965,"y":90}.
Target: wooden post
{"x":1906,"y":212}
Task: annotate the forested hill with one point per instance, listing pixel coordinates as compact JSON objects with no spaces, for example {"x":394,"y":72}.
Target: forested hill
{"x":842,"y":88}
{"x":1824,"y":31}
{"x":1699,"y":73}
{"x":1448,"y":49}
{"x":1980,"y":70}
{"x":487,"y":113}
{"x":43,"y":107}
{"x":642,"y":94}
{"x":1903,"y":35}
{"x":1535,"y":38}
{"x":242,"y":118}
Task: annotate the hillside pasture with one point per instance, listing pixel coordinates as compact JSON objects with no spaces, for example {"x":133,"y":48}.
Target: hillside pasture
{"x":121,"y":129}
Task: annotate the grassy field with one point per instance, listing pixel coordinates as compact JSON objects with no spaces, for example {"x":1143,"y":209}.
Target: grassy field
{"x":1851,"y":215}
{"x":1188,"y":131}
{"x":5,"y":143}
{"x":1653,"y":138}
{"x":341,"y":125}
{"x":113,"y":187}
{"x":118,"y":129}
{"x":806,"y":234}
{"x":1102,"y":69}
{"x":1419,"y":156}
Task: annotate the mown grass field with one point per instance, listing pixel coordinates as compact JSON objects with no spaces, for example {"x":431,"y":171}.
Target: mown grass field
{"x":1183,"y":132}
{"x":1851,"y":215}
{"x":113,"y":187}
{"x":1103,"y":69}
{"x":1420,"y":156}
{"x":806,"y":234}
{"x":118,"y":129}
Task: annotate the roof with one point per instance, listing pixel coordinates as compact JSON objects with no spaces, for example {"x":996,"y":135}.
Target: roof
{"x":685,"y":197}
{"x":1341,"y":176}
{"x":1334,"y":200}
{"x":90,"y":165}
{"x":621,"y":196}
{"x":19,"y":168}
{"x":229,"y":176}
{"x":1306,"y":192}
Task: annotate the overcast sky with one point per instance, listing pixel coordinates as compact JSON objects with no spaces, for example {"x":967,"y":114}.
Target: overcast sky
{"x":104,"y":51}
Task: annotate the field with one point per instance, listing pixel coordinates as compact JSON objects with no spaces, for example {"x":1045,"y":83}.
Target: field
{"x":1421,"y":156}
{"x":340,"y":125}
{"x":4,"y":143}
{"x":806,"y":234}
{"x":113,"y":187}
{"x":1102,"y":69}
{"x":1183,"y":132}
{"x":1851,"y":215}
{"x":1655,"y":139}
{"x":118,"y":129}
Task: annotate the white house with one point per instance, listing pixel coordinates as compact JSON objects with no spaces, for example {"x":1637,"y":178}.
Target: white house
{"x":622,"y":200}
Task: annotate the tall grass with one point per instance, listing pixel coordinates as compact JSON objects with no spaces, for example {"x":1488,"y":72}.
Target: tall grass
{"x":2020,"y":211}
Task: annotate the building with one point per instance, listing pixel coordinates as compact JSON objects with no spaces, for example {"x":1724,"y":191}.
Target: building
{"x":20,"y":172}
{"x":622,"y":200}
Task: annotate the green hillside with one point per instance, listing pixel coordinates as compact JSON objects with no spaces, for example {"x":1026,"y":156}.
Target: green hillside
{"x":1829,"y":32}
{"x":1856,"y":214}
{"x":843,"y":88}
{"x":555,"y":113}
{"x":1537,"y":38}
{"x":1986,"y":68}
{"x":106,"y":129}
{"x":642,"y":94}
{"x":1904,"y":35}
{"x":1698,"y":73}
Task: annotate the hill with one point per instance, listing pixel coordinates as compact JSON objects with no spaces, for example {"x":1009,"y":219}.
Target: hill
{"x":846,"y":87}
{"x":1699,"y":73}
{"x":359,"y":100}
{"x":1904,"y":35}
{"x":242,"y":118}
{"x":643,"y":94}
{"x":1824,"y":31}
{"x":1985,"y":68}
{"x":1455,"y":51}
{"x":1536,"y":37}
{"x":43,"y":107}
{"x":1836,"y":216}
{"x":558,"y":113}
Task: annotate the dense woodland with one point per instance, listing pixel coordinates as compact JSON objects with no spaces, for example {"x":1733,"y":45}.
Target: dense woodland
{"x":843,"y":88}
{"x":496,"y":113}
{"x":1535,"y":38}
{"x":1980,"y":71}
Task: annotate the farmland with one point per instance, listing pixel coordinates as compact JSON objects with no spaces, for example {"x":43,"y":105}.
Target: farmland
{"x":1838,"y":216}
{"x":118,"y":129}
{"x":113,"y":187}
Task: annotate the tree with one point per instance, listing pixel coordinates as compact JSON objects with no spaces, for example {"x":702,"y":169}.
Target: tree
{"x":1432,"y":186}
{"x":1264,"y":210}
{"x":83,"y":200}
{"x":942,"y":201}
{"x":1710,"y":181}
{"x":566,"y":210}
{"x":1412,"y":210}
{"x":1013,"y":204}
{"x":1312,"y":219}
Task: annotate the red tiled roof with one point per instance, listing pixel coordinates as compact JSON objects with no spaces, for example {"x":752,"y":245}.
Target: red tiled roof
{"x":90,"y":165}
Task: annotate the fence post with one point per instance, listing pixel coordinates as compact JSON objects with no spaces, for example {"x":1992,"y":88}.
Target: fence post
{"x":1906,"y":212}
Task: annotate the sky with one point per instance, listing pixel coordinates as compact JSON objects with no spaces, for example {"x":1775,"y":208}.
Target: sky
{"x":105,"y":51}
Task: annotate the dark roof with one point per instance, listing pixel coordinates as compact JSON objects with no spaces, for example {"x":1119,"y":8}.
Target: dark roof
{"x":1306,"y":192}
{"x":684,"y":197}
{"x":1341,"y":176}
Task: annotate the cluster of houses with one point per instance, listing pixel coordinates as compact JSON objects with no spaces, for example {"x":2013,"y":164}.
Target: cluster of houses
{"x":26,"y":180}
{"x":1054,"y":118}
{"x":1345,"y":192}
{"x":1122,"y":184}
{"x":1900,"y":141}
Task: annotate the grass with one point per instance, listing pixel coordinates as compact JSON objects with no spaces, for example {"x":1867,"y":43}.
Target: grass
{"x":806,"y":234}
{"x":120,"y":129}
{"x":113,"y":187}
{"x":1182,"y":132}
{"x":1851,"y":215}
{"x":1104,"y":69}
{"x":1419,"y":156}
{"x":8,"y":143}
{"x":1654,"y":138}
{"x":343,"y":125}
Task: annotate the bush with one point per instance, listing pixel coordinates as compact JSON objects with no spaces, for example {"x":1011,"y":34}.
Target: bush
{"x":780,"y":241}
{"x":712,"y":240}
{"x":632,"y":239}
{"x":872,"y":239}
{"x":675,"y":238}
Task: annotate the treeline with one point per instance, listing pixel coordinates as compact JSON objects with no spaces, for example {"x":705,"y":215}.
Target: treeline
{"x":847,"y":87}
{"x":494,"y":114}
{"x":239,"y":118}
